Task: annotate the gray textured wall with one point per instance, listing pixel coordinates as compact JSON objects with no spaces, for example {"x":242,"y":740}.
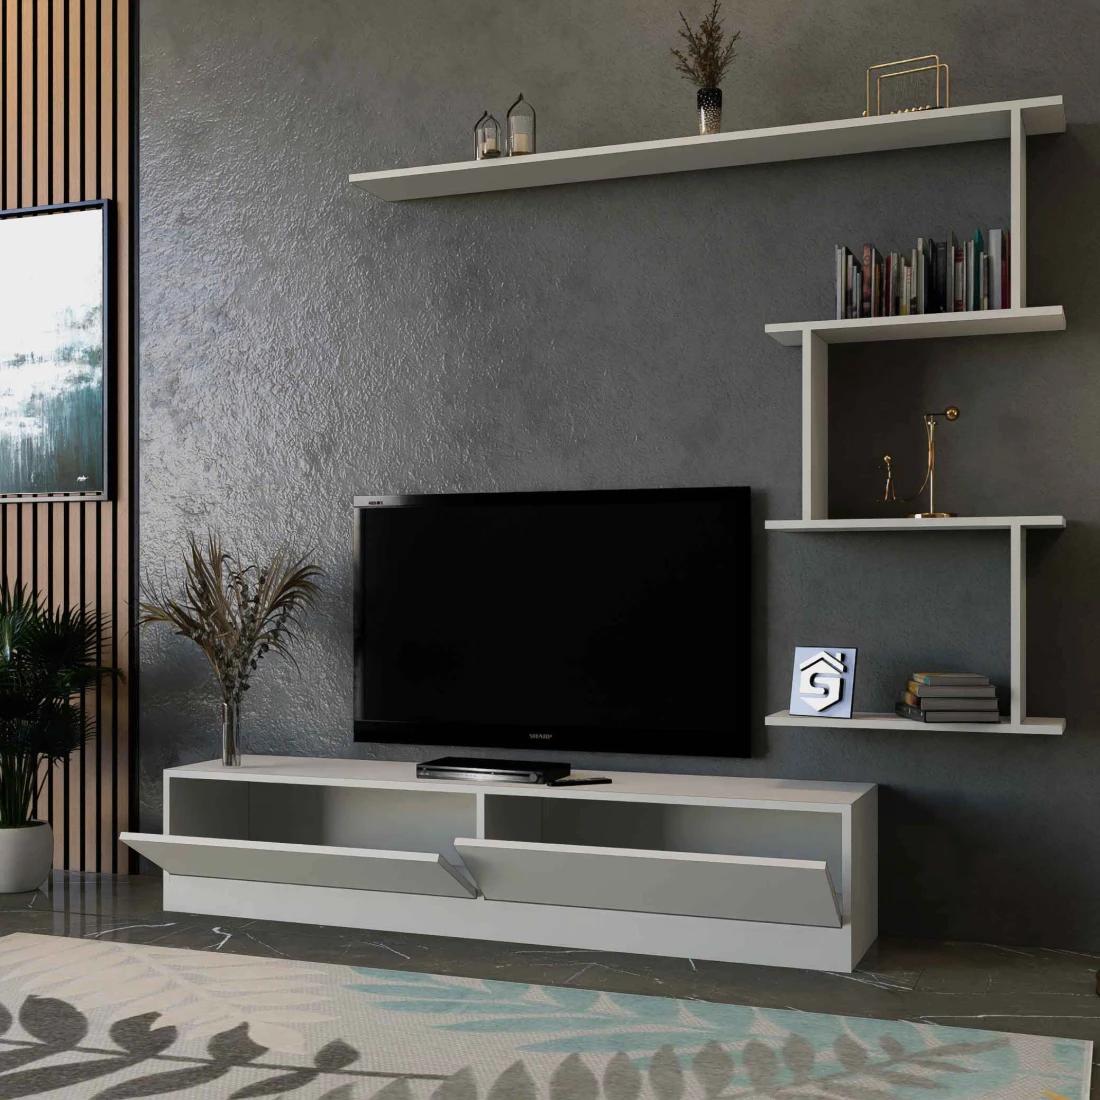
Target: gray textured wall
{"x":302,"y":342}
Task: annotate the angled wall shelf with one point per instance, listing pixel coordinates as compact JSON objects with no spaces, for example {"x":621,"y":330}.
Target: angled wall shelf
{"x":838,"y":137}
{"x":815,"y":337}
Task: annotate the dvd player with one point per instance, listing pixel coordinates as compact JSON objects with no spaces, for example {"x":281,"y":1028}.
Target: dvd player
{"x":470,"y":769}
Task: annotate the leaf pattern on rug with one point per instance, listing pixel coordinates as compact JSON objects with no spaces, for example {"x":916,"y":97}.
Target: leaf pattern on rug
{"x":668,"y":1049}
{"x":200,"y":993}
{"x":587,"y":1045}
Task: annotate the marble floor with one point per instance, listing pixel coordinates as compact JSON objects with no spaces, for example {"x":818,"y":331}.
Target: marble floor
{"x":1040,"y":990}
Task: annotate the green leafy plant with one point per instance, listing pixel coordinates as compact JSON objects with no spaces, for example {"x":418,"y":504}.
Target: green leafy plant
{"x":235,"y":611}
{"x":709,"y":53}
{"x":48,"y":658}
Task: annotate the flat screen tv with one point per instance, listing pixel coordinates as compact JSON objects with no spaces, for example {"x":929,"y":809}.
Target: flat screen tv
{"x":598,"y":621}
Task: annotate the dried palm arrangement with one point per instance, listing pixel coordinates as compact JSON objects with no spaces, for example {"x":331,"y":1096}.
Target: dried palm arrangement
{"x":709,"y":53}
{"x":236,"y":612}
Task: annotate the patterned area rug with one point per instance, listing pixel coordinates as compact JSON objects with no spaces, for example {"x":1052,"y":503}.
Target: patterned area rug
{"x":81,"y":1018}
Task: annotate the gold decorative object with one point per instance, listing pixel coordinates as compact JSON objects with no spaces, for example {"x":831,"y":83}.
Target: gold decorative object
{"x":917,"y":94}
{"x":929,"y":482}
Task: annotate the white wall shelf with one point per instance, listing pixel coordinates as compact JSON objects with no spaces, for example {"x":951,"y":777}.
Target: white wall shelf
{"x":954,"y":523}
{"x":928,"y":326}
{"x":1022,"y":119}
{"x":838,"y":137}
{"x":871,"y":721}
{"x":776,"y":872}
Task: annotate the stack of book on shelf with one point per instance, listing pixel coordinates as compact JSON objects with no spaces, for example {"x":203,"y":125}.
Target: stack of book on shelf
{"x":935,"y":277}
{"x":949,"y":697}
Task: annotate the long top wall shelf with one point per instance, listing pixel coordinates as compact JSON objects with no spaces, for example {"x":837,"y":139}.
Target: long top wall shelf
{"x":835,"y":138}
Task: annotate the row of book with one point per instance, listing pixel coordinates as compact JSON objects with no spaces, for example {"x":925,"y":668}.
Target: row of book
{"x":935,"y":277}
{"x":949,"y":697}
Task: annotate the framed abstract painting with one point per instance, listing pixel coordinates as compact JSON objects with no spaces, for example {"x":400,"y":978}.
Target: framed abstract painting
{"x":55,"y":353}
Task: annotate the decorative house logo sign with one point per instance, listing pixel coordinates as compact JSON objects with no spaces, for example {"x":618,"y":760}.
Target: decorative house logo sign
{"x":823,"y":681}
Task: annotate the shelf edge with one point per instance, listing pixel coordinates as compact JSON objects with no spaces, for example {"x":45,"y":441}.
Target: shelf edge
{"x":986,"y":322}
{"x":1048,"y":727}
{"x":958,"y":523}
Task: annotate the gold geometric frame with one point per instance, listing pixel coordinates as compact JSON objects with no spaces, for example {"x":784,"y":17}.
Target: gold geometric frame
{"x":943,"y":97}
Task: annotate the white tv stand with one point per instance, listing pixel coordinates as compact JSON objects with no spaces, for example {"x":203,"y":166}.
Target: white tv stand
{"x":770,"y":871}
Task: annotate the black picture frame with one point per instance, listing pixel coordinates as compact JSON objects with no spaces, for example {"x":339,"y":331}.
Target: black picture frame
{"x":106,"y":491}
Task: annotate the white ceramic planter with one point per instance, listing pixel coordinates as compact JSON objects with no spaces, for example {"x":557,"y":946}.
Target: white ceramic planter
{"x":26,"y":856}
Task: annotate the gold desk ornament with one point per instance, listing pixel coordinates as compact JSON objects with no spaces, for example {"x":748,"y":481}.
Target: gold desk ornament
{"x":937,"y":93}
{"x":889,"y":493}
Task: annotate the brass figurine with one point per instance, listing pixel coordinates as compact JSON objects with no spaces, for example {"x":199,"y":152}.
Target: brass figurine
{"x":889,"y":493}
{"x":940,"y":92}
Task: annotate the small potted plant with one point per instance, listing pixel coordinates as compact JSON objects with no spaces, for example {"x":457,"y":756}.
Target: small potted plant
{"x":236,"y":612}
{"x":708,"y":57}
{"x":47,"y":659}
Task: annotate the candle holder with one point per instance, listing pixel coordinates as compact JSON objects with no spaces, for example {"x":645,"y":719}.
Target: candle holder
{"x":487,"y":143}
{"x":521,"y":128}
{"x":951,"y":413}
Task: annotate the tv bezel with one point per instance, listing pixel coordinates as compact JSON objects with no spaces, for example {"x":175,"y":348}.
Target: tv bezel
{"x":540,"y":736}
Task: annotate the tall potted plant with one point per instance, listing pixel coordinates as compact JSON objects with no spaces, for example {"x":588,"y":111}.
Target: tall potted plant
{"x":48,"y":657}
{"x":236,"y":612}
{"x":708,"y":57}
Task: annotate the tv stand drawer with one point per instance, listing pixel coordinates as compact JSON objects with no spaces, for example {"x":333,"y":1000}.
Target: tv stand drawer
{"x":750,"y":888}
{"x":302,"y":864}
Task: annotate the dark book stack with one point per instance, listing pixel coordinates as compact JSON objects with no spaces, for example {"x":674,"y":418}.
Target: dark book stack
{"x":935,"y":277}
{"x":949,"y":697}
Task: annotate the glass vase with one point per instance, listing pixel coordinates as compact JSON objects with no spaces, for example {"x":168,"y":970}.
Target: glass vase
{"x":709,"y":102}
{"x":231,"y":734}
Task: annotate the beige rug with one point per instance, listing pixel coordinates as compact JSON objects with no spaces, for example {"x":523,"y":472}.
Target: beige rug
{"x":83,"y":1019}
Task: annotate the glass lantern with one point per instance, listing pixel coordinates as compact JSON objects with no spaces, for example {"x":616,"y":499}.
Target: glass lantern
{"x":521,"y":128}
{"x":487,"y":143}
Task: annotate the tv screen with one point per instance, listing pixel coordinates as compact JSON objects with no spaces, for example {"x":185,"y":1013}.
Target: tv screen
{"x":597,"y":621}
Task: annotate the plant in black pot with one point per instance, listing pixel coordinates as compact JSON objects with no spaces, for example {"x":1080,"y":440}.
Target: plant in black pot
{"x":705,"y":61}
{"x":48,"y":658}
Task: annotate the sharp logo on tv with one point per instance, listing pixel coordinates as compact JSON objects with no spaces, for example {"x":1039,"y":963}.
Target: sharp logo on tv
{"x":541,"y":736}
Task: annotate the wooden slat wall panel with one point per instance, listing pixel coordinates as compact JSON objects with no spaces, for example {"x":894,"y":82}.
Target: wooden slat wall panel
{"x":65,"y":136}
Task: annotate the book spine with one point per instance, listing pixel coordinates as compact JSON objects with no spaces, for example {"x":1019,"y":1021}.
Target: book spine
{"x":877,"y":295}
{"x":979,"y":249}
{"x":983,"y":280}
{"x":949,"y":274}
{"x":838,"y":265}
{"x":996,"y":254}
{"x":939,"y":276}
{"x":959,"y":285}
{"x":968,"y":276}
{"x":868,"y":280}
{"x":950,"y":679}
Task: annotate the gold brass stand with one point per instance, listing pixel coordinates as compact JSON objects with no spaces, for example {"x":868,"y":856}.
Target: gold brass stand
{"x":889,"y":493}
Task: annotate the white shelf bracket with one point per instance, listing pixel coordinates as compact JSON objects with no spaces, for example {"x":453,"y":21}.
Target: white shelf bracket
{"x":815,"y":426}
{"x":1018,"y":623}
{"x":1018,"y":209}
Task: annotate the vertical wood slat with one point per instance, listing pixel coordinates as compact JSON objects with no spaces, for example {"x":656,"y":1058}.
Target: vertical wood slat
{"x":65,"y":132}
